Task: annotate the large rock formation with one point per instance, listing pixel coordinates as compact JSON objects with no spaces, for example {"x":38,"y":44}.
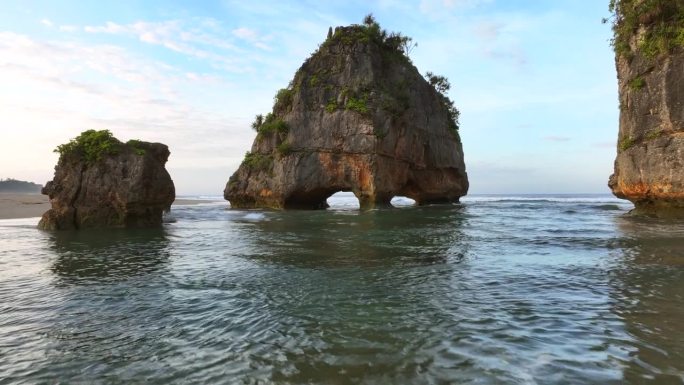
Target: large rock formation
{"x":357,"y":117}
{"x":101,"y":182}
{"x":649,"y":46}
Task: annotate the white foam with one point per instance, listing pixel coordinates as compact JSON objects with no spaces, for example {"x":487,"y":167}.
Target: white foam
{"x":257,"y":217}
{"x":560,"y":198}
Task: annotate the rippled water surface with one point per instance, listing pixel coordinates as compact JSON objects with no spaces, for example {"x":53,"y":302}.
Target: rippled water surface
{"x":548,"y":290}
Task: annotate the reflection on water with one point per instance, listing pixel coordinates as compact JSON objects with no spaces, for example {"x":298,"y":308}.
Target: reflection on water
{"x":104,"y":305}
{"x":376,"y":238}
{"x":497,"y":290}
{"x":649,"y":293}
{"x":98,"y":257}
{"x":354,"y":293}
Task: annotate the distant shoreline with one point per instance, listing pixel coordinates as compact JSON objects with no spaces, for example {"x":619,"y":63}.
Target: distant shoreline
{"x":28,"y":205}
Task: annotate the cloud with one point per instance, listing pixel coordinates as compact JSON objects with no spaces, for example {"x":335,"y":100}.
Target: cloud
{"x":513,"y":54}
{"x":109,"y":27}
{"x":202,"y":39}
{"x":245,"y":33}
{"x":46,"y":22}
{"x":167,"y":33}
{"x":253,"y":37}
{"x":553,"y":138}
{"x":498,"y":42}
{"x":488,"y":31}
{"x":101,"y":86}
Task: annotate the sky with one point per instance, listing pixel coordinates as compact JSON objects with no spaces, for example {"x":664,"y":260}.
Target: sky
{"x":534,"y":80}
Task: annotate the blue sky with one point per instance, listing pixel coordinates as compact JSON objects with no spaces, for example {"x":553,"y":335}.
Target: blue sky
{"x":535,"y":81}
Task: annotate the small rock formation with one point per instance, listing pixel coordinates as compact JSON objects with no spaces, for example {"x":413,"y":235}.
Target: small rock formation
{"x":101,"y":182}
{"x":649,"y":47}
{"x":359,"y":117}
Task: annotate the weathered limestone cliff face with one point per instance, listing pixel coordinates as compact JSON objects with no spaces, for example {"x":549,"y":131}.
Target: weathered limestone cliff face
{"x":357,"y":117}
{"x":649,"y":45}
{"x":100,"y":182}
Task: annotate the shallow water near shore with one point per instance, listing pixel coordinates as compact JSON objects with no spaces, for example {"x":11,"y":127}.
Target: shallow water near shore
{"x":498,"y":289}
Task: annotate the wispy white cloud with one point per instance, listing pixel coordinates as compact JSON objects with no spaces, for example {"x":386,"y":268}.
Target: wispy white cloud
{"x":56,"y":88}
{"x":102,"y":86}
{"x":498,"y":42}
{"x":168,"y":34}
{"x":252,"y":37}
{"x":202,"y":39}
{"x":488,"y":30}
{"x":46,"y":22}
{"x":109,"y":27}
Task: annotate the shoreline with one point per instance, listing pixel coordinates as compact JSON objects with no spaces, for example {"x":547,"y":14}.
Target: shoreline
{"x":28,"y":205}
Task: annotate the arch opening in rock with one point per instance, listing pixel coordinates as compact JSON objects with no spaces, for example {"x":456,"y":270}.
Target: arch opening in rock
{"x":315,"y":199}
{"x":343,"y":200}
{"x":402,"y":201}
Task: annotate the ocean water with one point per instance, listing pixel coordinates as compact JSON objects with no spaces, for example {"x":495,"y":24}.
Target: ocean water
{"x":496,"y":290}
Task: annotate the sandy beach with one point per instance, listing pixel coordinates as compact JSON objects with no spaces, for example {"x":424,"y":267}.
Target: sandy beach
{"x":14,"y":205}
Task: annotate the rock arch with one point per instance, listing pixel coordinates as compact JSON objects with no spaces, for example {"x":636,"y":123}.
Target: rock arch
{"x":358,"y":117}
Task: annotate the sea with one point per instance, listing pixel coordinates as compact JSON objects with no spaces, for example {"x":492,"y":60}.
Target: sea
{"x":499,"y":289}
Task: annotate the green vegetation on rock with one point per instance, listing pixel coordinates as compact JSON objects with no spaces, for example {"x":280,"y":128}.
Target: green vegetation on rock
{"x":258,"y":162}
{"x":441,"y":83}
{"x":370,"y":31}
{"x":273,"y":124}
{"x":637,"y":83}
{"x":284,"y":148}
{"x":258,"y":122}
{"x":283,"y":100}
{"x":331,"y":106}
{"x":269,"y":125}
{"x":655,"y":134}
{"x":137,"y":146}
{"x":90,"y":146}
{"x":357,"y":104}
{"x":442,"y":86}
{"x":626,"y":143}
{"x":663,"y":22}
{"x":93,"y":145}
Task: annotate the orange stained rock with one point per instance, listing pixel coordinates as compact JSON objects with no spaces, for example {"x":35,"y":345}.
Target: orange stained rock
{"x":337,"y":166}
{"x":644,"y":190}
{"x":365,"y":178}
